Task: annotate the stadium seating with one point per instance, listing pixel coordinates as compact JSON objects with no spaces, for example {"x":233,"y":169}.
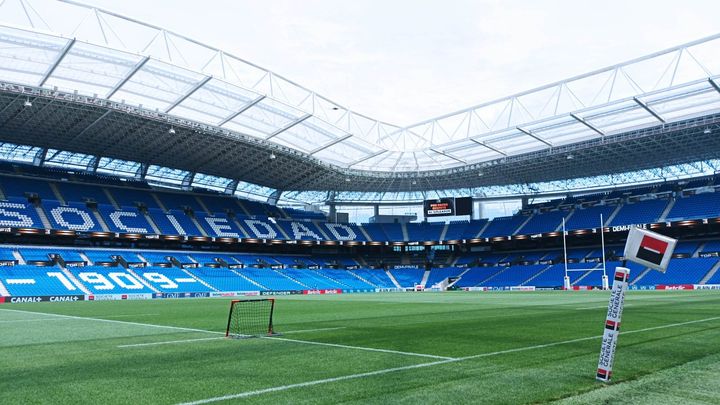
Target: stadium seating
{"x":377,"y":278}
{"x":439,"y":274}
{"x":476,"y":275}
{"x":23,"y":280}
{"x":641,"y":212}
{"x":109,"y":280}
{"x":588,"y":218}
{"x":680,"y":271}
{"x":224,"y":279}
{"x":125,"y":220}
{"x":503,"y":226}
{"x":514,"y":275}
{"x":73,"y":216}
{"x":170,"y":279}
{"x":408,"y":278}
{"x":698,"y":206}
{"x":543,"y":222}
{"x":270,"y":279}
{"x":18,"y":213}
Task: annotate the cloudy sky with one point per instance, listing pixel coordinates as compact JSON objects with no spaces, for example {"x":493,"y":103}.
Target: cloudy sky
{"x":404,"y":61}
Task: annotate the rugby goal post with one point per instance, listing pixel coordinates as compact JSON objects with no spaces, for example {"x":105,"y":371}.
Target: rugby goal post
{"x":566,"y":280}
{"x":251,"y":318}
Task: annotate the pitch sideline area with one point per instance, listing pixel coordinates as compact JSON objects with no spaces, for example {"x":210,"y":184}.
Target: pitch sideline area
{"x":492,"y":347}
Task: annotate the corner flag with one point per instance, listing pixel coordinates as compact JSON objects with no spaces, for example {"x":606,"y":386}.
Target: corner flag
{"x":649,"y":249}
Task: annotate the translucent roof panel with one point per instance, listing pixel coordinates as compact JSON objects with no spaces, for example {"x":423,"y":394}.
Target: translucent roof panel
{"x":253,"y":191}
{"x":211,"y":182}
{"x":166,"y":175}
{"x":11,"y":152}
{"x":81,"y":48}
{"x":118,"y":167}
{"x":95,"y":69}
{"x":68,"y":160}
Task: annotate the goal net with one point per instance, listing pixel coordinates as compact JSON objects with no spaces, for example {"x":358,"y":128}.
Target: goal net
{"x":251,"y":318}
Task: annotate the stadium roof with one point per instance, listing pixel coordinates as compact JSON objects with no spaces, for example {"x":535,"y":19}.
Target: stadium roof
{"x":106,"y":85}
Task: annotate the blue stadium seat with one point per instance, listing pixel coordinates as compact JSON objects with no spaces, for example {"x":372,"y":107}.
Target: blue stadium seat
{"x":588,"y":218}
{"x":18,"y":213}
{"x":543,"y":222}
{"x":125,"y":220}
{"x":109,"y":280}
{"x":74,"y":216}
{"x":698,"y":206}
{"x":503,"y":226}
{"x":23,"y":280}
{"x":641,"y":212}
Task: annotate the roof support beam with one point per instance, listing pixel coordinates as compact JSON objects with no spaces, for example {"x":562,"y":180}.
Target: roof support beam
{"x":127,"y":77}
{"x":92,"y":124}
{"x":240,"y":111}
{"x":370,"y":156}
{"x":439,"y":152}
{"x":500,"y":151}
{"x":329,"y":144}
{"x":190,"y":92}
{"x":288,"y":126}
{"x":587,"y":124}
{"x":714,"y":85}
{"x":530,"y":134}
{"x":648,"y":109}
{"x":57,"y":61}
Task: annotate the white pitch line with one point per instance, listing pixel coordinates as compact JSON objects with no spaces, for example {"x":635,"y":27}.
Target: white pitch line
{"x":170,"y":342}
{"x":150,"y":325}
{"x":423,"y":365}
{"x":209,"y":331}
{"x":312,"y":330}
{"x":369,"y":349}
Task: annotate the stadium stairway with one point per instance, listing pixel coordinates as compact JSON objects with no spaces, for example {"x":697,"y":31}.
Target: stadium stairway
{"x":75,"y":280}
{"x":710,"y":273}
{"x":3,"y":291}
{"x":56,"y":192}
{"x":612,"y":216}
{"x":425,"y":277}
{"x":392,"y":278}
{"x":110,"y":198}
{"x":18,"y":257}
{"x":100,"y":220}
{"x":199,"y":280}
{"x":151,"y":222}
{"x":141,"y":279}
{"x":667,"y":210}
{"x":365,"y":233}
{"x":195,"y":222}
{"x":536,"y":275}
{"x":493,"y":276}
{"x":522,"y":225}
{"x":290,"y":278}
{"x":363,"y":279}
{"x":43,"y":217}
{"x":640,"y":276}
{"x":249,"y":279}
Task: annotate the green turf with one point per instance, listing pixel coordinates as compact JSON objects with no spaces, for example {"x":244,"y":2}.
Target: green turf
{"x":488,"y":347}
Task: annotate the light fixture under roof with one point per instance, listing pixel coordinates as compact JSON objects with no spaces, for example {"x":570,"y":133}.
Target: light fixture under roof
{"x":27,"y":103}
{"x":171,"y":130}
{"x":272,"y":156}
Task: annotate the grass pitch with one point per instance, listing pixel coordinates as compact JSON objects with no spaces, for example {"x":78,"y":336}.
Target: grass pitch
{"x":365,"y":348}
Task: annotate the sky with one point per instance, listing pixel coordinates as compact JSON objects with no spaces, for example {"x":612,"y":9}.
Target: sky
{"x":405,"y":61}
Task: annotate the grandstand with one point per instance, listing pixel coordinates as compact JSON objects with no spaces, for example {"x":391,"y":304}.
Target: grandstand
{"x":130,"y":174}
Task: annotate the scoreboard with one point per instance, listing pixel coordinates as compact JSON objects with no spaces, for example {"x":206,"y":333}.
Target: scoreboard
{"x":448,"y":206}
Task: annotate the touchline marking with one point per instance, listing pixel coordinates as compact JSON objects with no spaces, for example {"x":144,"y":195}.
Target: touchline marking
{"x":312,"y":330}
{"x":423,"y":365}
{"x":170,"y":342}
{"x":150,"y":325}
{"x":223,"y":333}
{"x":369,"y":349}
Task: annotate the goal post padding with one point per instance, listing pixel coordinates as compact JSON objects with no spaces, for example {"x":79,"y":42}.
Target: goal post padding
{"x":251,"y":318}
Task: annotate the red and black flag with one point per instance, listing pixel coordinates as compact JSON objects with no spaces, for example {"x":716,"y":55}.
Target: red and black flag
{"x":652,"y":250}
{"x":649,"y":249}
{"x":612,"y":325}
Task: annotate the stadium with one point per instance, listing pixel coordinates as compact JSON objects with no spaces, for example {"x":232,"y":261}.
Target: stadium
{"x":159,"y":195}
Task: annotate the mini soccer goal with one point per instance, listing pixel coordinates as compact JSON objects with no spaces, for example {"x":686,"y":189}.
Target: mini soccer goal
{"x":251,"y":318}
